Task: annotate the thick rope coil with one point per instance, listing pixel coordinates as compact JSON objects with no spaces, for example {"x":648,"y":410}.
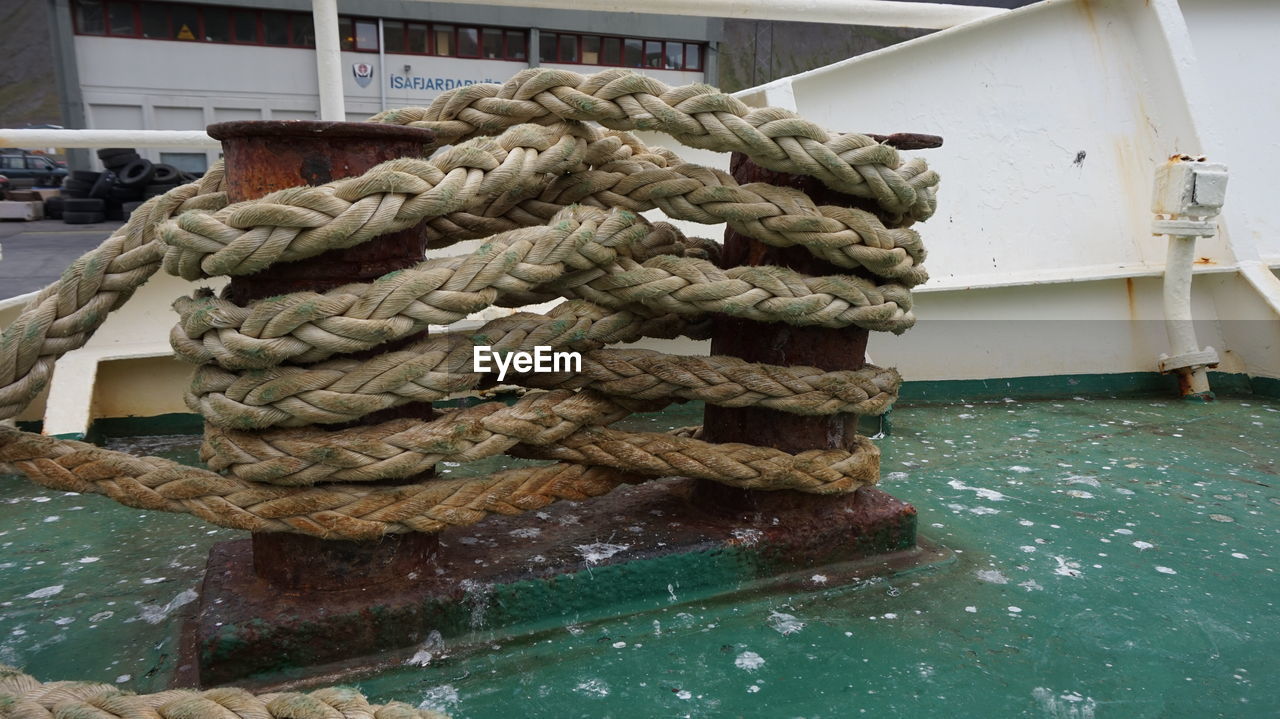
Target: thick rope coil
{"x":343,"y":390}
{"x":579,"y":255}
{"x":402,"y":448}
{"x":696,"y":115}
{"x":24,"y":697}
{"x":576,"y":190}
{"x":456,"y":191}
{"x":326,"y":511}
{"x":345,"y":510}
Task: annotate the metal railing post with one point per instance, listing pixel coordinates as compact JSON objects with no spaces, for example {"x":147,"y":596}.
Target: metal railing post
{"x":329,"y":60}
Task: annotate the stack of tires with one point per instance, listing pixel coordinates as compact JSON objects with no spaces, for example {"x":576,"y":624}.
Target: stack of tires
{"x":114,"y":193}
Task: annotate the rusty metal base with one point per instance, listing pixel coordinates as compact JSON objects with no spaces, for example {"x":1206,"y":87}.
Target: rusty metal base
{"x":637,"y":548}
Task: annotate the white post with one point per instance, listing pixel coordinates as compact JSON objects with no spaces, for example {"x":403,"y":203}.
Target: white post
{"x":1177,"y":312}
{"x":328,"y":60}
{"x":107,"y":138}
{"x":382,"y":69}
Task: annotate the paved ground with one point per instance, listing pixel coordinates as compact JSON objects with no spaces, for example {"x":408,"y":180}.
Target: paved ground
{"x":36,"y":253}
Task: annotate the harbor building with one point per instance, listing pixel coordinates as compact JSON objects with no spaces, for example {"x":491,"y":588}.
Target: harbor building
{"x":130,"y":64}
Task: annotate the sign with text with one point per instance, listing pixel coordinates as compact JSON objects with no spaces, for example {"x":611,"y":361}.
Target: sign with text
{"x":434,"y":84}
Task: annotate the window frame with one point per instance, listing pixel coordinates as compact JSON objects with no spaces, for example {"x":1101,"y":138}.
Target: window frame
{"x":198,"y":30}
{"x":262,"y":27}
{"x":433,"y":31}
{"x":428,"y":36}
{"x":135,"y":13}
{"x":506,"y":44}
{"x":355,"y":33}
{"x":481,"y":31}
{"x":168,"y":21}
{"x":622,"y":51}
{"x":204,"y":26}
{"x":576,"y":51}
{"x":75,"y":21}
{"x":404,"y":35}
{"x":434,"y":28}
{"x":136,"y":8}
{"x":508,"y":51}
{"x":259,"y":31}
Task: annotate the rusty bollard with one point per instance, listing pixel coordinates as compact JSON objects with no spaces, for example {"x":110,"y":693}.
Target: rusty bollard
{"x":262,"y":157}
{"x":797,"y":519}
{"x":282,"y":603}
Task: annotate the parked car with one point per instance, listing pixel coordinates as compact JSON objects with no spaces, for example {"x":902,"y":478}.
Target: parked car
{"x":4,"y":186}
{"x":43,"y":171}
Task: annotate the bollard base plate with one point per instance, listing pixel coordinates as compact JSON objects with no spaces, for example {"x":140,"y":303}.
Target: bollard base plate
{"x":637,"y":548}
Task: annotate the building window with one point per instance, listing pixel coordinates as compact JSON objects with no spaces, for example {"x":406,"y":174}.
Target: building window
{"x":185,"y":23}
{"x":275,"y":26}
{"x":443,"y":36}
{"x":416,"y":41}
{"x":468,"y":42}
{"x":120,"y":19}
{"x":568,"y":48}
{"x":194,"y":23}
{"x":217,"y":24}
{"x":413,"y":38}
{"x":302,"y":30}
{"x":346,"y":33}
{"x":193,"y":162}
{"x":560,"y":47}
{"x":653,"y":53}
{"x":393,"y":36}
{"x":590,"y":50}
{"x":245,"y":23}
{"x":155,"y":20}
{"x":674,"y":55}
{"x":91,"y":17}
{"x":611,"y":51}
{"x":547,"y":47}
{"x":517,"y":45}
{"x":692,"y":56}
{"x":491,"y":41}
{"x":633,"y":53}
{"x":366,"y":35}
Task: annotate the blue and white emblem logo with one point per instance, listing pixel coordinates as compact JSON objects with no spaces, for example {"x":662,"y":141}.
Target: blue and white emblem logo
{"x":363,"y":72}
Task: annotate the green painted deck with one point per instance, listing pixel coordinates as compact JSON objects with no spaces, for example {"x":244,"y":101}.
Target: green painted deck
{"x":1114,"y":558}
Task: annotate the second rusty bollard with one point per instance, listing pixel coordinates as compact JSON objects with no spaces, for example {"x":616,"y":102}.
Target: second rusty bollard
{"x":781,"y":344}
{"x":262,"y":157}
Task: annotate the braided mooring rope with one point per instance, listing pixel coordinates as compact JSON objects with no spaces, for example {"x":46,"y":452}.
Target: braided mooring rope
{"x":24,"y":697}
{"x":558,"y":201}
